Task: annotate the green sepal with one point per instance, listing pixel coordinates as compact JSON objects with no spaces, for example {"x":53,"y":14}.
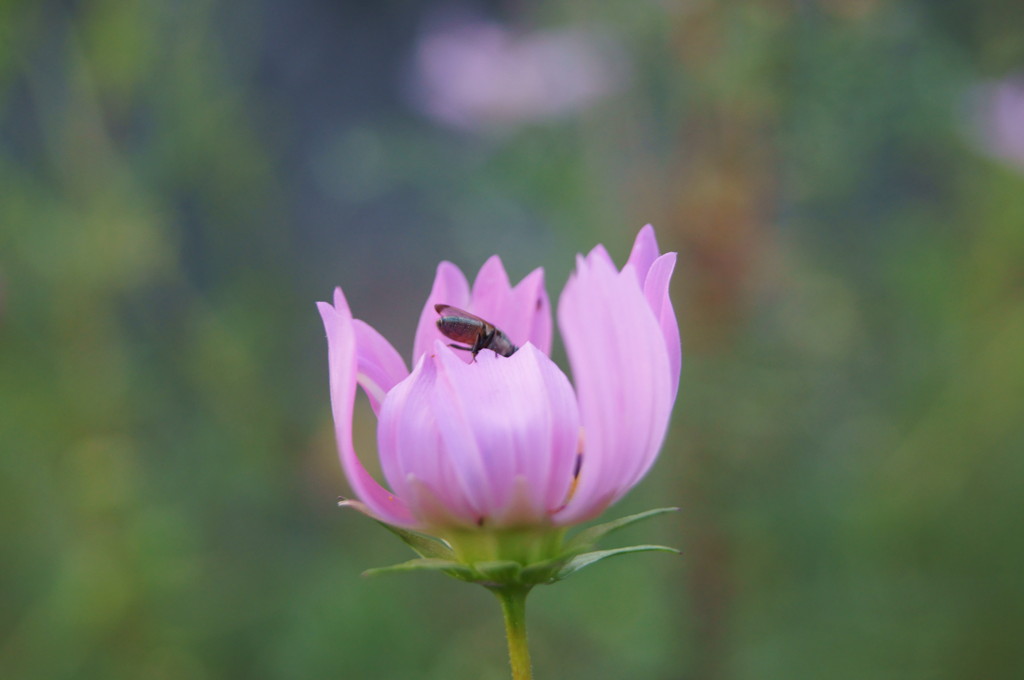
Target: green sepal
{"x":504,"y":571}
{"x":437,"y":554}
{"x":589,"y":537}
{"x":424,"y":545}
{"x":456,"y":569}
{"x":586,"y":559}
{"x":546,"y":571}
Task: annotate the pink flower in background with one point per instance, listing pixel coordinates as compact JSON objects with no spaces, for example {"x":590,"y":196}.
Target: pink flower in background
{"x":508,"y":441}
{"x":480,"y":76}
{"x":999,"y":119}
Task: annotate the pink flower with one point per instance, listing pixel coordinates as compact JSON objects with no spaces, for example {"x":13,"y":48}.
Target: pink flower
{"x":508,"y":441}
{"x":998,"y":118}
{"x":484,"y":77}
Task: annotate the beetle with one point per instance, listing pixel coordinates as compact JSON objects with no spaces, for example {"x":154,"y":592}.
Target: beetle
{"x":458,"y":324}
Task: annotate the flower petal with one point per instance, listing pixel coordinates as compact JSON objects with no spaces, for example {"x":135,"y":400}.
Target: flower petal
{"x":621,"y":370}
{"x":491,"y":441}
{"x":655,"y":272}
{"x":535,"y":417}
{"x":523,"y":313}
{"x":527,"y":314}
{"x":509,"y":418}
{"x":599,"y":252}
{"x":491,"y":288}
{"x":450,"y":288}
{"x":540,"y":329}
{"x":342,"y":353}
{"x":413,"y":457}
{"x":379,"y":365}
{"x":656,"y":291}
{"x":645,"y":252}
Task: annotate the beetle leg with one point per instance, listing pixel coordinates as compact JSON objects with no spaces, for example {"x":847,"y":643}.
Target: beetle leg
{"x":483,"y":341}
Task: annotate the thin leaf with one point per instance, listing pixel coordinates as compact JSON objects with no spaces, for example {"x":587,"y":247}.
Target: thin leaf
{"x":589,"y":537}
{"x":425,"y":546}
{"x":423,"y":564}
{"x":587,"y":559}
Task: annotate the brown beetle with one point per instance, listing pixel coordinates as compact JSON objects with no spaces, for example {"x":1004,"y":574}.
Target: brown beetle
{"x":458,"y":324}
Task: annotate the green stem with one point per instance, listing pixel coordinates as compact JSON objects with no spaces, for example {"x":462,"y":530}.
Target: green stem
{"x":513,"y":606}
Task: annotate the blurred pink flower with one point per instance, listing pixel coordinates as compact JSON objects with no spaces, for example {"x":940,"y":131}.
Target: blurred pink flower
{"x":480,"y":76}
{"x":999,"y":118}
{"x":507,"y":441}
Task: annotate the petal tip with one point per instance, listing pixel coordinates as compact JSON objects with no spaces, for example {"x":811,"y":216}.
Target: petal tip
{"x":339,"y":299}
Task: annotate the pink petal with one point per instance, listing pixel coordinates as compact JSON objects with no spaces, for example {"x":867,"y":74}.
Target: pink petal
{"x":532,"y":312}
{"x":491,"y":287}
{"x":450,"y":288}
{"x":621,"y":370}
{"x":529,"y":425}
{"x":540,"y":333}
{"x":432,"y":510}
{"x":599,"y":252}
{"x":379,"y":365}
{"x":493,"y":440}
{"x":521,"y":508}
{"x":413,"y":457}
{"x":523,"y":313}
{"x":656,"y":290}
{"x":645,"y":251}
{"x":342,"y":352}
{"x":455,"y":433}
{"x":509,"y":418}
{"x":655,"y":273}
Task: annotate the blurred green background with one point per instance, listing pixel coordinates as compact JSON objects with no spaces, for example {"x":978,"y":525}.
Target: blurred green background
{"x":181,"y":181}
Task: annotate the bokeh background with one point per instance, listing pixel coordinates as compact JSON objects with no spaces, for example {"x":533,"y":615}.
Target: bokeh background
{"x":181,"y":181}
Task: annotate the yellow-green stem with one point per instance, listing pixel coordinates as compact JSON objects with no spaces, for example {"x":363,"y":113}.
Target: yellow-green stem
{"x":513,"y":606}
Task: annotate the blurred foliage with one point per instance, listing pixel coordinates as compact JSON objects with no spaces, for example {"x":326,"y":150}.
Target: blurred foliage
{"x":180,"y":181}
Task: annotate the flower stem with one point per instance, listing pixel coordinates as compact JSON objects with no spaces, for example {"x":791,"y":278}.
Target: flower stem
{"x":513,"y":606}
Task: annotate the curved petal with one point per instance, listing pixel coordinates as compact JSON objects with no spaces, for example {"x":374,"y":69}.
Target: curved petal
{"x":379,"y":365}
{"x":438,"y":447}
{"x":621,"y":370}
{"x":450,"y":288}
{"x":432,"y":511}
{"x":654,"y":271}
{"x":342,"y":353}
{"x":529,"y":313}
{"x":492,"y":441}
{"x":599,"y":253}
{"x":519,"y":416}
{"x":645,"y":252}
{"x":656,"y":291}
{"x":540,"y":328}
{"x":521,"y":312}
{"x":491,"y":288}
{"x":412,"y":456}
